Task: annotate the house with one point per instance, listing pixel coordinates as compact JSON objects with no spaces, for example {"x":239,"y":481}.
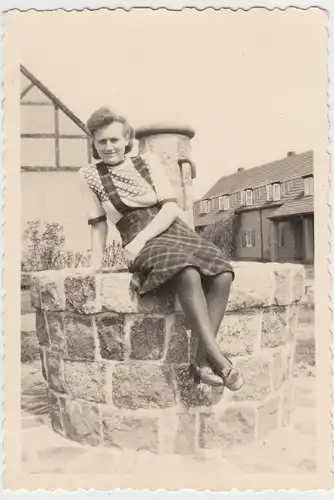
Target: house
{"x":54,"y":145}
{"x":275,"y":207}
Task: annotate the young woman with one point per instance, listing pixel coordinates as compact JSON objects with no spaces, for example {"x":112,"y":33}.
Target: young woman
{"x":159,"y":247}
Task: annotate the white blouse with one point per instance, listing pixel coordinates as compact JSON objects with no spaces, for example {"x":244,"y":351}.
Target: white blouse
{"x":133,"y":190}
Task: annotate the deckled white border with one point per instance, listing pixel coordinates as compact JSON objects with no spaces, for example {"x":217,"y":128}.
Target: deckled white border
{"x":117,"y":494}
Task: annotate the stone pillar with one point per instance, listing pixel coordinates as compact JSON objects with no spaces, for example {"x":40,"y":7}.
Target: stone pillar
{"x":116,"y":364}
{"x":172,"y":144}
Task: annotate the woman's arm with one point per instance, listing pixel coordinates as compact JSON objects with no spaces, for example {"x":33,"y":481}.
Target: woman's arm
{"x":98,"y":238}
{"x":98,"y":222}
{"x":161,"y":222}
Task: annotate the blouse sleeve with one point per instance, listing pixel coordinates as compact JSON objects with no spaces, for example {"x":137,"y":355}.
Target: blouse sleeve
{"x":162,"y":185}
{"x":94,"y":210}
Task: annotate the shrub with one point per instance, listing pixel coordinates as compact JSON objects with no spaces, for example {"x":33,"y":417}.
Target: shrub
{"x":44,"y":250}
{"x":222,"y":234}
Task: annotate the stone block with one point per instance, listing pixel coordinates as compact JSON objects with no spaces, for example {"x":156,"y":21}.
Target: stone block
{"x":51,"y":292}
{"x":55,"y":371}
{"x":256,"y":372}
{"x":240,"y":334}
{"x":274,"y":328}
{"x":82,"y":422}
{"x":142,"y":386}
{"x":110,"y":330}
{"x":252,"y":287}
{"x":292,"y":321}
{"x":178,"y":341}
{"x":42,"y":330}
{"x":26,"y":307}
{"x":281,"y":367}
{"x":234,"y":427}
{"x":305,"y":351}
{"x":86,"y":380}
{"x":185,"y":435}
{"x":117,"y":296}
{"x":192,"y":394}
{"x":268,"y":417}
{"x":56,"y":331}
{"x":80,"y":336}
{"x":298,"y":283}
{"x":82,"y":293}
{"x":282,"y":292}
{"x":42,"y":354}
{"x":34,"y":291}
{"x":55,"y":407}
{"x":286,"y":403}
{"x":130,"y":432}
{"x":147,"y":337}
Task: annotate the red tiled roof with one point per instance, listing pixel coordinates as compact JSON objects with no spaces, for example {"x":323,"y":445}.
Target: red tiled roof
{"x":297,"y":165}
{"x":300,"y":206}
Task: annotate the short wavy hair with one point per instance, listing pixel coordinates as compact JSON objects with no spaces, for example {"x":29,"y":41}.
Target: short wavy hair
{"x":104,"y":117}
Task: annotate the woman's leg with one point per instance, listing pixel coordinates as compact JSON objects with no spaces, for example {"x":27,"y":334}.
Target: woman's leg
{"x":217,"y":291}
{"x":194,"y":304}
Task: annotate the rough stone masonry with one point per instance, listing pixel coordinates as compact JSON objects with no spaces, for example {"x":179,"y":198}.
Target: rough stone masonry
{"x":117,"y":365}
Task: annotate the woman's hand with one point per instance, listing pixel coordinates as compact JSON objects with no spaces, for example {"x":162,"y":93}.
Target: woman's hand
{"x":132,"y":250}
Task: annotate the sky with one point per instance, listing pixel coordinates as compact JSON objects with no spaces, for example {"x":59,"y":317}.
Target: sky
{"x":252,"y":84}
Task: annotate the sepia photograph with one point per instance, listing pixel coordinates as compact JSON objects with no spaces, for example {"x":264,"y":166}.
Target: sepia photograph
{"x":167,"y":243}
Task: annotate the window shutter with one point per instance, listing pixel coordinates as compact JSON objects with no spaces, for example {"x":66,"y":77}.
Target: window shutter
{"x":253,"y":237}
{"x":243,"y":238}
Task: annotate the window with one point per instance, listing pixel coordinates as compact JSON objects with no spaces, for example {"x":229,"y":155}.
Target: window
{"x":262,"y":191}
{"x":276,"y":192}
{"x":215,"y":203}
{"x":249,"y":197}
{"x":308,"y":186}
{"x":287,"y":186}
{"x":256,"y":194}
{"x":269,"y":192}
{"x":205,"y":206}
{"x":236,"y":199}
{"x":243,"y":197}
{"x":248,"y":238}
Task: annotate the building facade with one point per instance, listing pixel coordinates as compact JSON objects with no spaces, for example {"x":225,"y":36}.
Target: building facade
{"x":54,"y":145}
{"x":275,"y":207}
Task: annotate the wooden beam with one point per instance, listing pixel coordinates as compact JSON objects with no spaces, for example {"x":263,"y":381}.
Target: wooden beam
{"x":56,"y":117}
{"x":52,"y":136}
{"x":26,"y":90}
{"x":26,"y":168}
{"x":32,"y":103}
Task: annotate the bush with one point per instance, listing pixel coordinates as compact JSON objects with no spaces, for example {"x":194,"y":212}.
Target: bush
{"x":222,"y":234}
{"x":44,"y":250}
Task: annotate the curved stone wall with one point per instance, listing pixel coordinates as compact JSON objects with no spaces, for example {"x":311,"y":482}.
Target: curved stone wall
{"x":116,"y":365}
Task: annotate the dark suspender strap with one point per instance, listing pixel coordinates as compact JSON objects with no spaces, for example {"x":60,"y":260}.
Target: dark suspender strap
{"x":110,"y":189}
{"x":95,"y":220}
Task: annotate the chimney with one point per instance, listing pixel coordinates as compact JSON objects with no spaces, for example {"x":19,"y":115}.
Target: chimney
{"x":291,"y":153}
{"x":240,"y":169}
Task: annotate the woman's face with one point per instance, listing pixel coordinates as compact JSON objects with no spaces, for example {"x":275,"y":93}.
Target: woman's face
{"x":110,"y":143}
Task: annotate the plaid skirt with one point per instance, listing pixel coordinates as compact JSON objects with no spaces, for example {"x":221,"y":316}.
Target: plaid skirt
{"x":170,"y":252}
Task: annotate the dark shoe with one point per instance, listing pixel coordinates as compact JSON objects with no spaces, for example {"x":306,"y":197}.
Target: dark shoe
{"x":233,"y":380}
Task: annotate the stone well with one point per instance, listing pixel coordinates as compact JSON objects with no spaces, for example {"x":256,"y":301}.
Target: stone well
{"x":116,"y":365}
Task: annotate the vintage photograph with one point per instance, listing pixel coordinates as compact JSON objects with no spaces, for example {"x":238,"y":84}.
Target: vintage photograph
{"x":173,"y":245}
